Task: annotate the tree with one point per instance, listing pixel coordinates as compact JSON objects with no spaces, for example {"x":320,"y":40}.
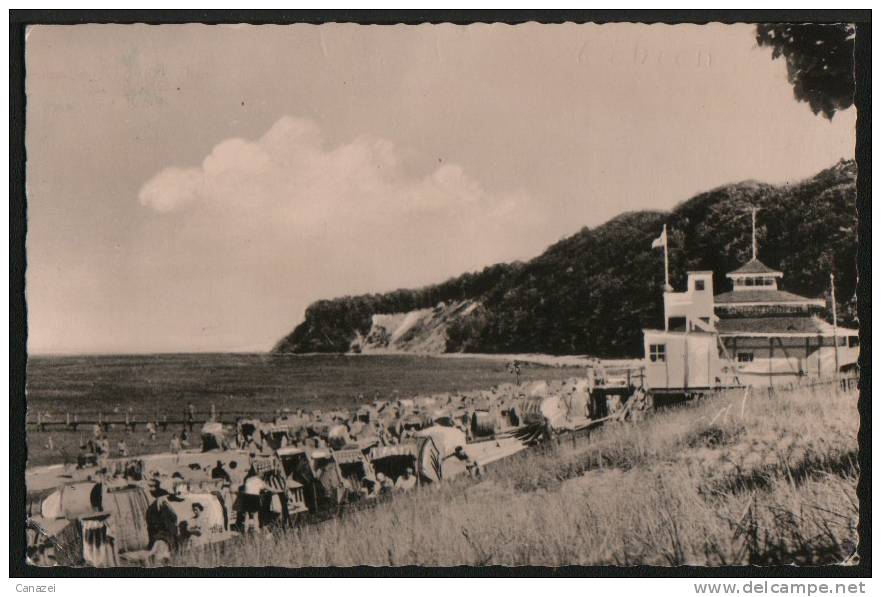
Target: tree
{"x":819,"y":62}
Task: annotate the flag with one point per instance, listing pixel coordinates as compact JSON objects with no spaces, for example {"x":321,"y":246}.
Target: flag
{"x":661,"y":241}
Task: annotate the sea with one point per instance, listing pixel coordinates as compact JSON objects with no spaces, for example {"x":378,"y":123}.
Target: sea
{"x":150,"y":387}
{"x":258,"y":381}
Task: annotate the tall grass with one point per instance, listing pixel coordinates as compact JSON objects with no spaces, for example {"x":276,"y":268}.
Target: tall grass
{"x":769,"y":479}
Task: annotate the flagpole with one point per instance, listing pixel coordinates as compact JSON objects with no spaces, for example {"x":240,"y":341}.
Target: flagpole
{"x":754,"y":233}
{"x":661,"y":241}
{"x":666,"y":263}
{"x":666,"y":279}
{"x":834,"y":321}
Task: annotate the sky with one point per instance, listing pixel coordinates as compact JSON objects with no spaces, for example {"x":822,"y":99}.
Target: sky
{"x":195,"y":188}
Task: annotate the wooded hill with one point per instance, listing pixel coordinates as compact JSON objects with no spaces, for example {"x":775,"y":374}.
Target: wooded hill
{"x":594,"y":292}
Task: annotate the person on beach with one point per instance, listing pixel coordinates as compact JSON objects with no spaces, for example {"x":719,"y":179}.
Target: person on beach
{"x":407,"y":481}
{"x":174,"y":445}
{"x":191,"y":530}
{"x":369,"y":488}
{"x":191,"y":416}
{"x":157,"y":488}
{"x":470,"y":465}
{"x":102,"y":450}
{"x":82,"y":456}
{"x":252,"y":490}
{"x":220,"y":472}
{"x":386,"y":485}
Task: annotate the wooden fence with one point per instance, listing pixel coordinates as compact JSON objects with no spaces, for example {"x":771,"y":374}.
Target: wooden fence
{"x":131,"y":421}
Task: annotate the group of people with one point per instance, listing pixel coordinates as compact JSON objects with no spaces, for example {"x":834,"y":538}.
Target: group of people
{"x":96,"y":449}
{"x":179,"y":442}
{"x":385,"y":485}
{"x":250,"y":504}
{"x":380,"y":424}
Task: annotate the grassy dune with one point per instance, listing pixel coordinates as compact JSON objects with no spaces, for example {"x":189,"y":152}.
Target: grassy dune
{"x":765,"y":479}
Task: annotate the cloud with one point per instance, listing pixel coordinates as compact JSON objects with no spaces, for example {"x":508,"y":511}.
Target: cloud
{"x":291,"y":177}
{"x":173,"y":189}
{"x":292,"y":168}
{"x":246,"y":240}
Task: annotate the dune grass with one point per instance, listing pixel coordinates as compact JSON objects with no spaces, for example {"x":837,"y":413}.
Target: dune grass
{"x":732,"y":479}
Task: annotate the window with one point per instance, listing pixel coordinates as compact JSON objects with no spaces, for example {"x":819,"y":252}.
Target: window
{"x":744,"y":357}
{"x":699,"y":285}
{"x":658,"y":353}
{"x":842,"y":341}
{"x":676,"y":324}
{"x":853,"y":341}
{"x":749,"y":281}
